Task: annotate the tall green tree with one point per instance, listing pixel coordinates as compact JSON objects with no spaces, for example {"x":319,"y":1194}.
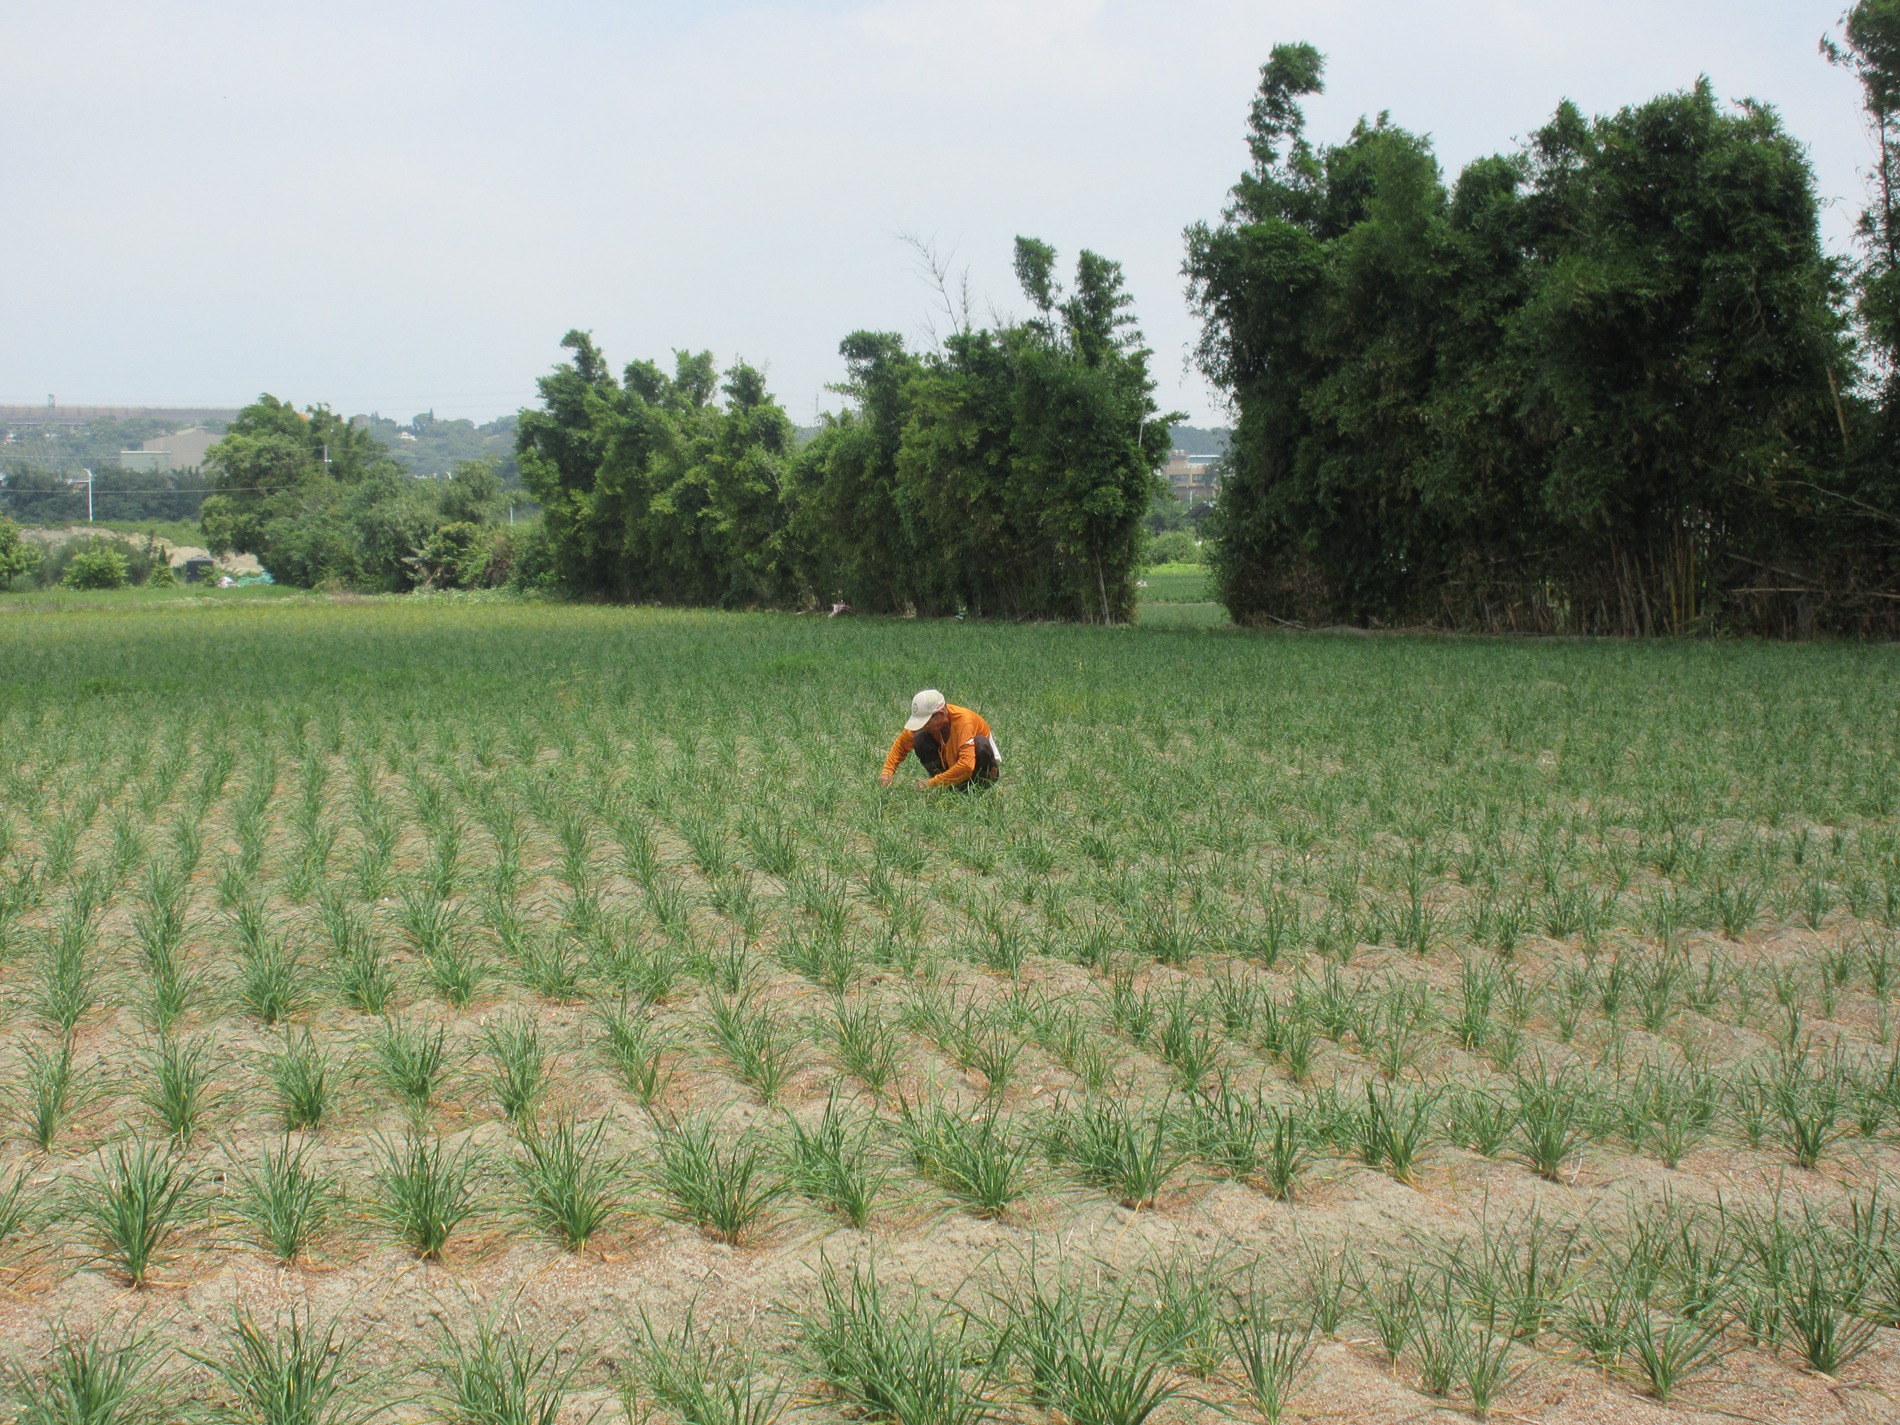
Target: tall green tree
{"x":1865,"y":506}
{"x":560,"y":447}
{"x":857,"y":535}
{"x":653,"y":488}
{"x":1869,"y":48}
{"x":285,"y":481}
{"x":17,"y":557}
{"x":319,"y":500}
{"x":1686,"y":344}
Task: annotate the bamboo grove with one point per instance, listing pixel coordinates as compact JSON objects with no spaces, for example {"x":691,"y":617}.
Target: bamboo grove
{"x":1609,"y":383}
{"x":1006,"y":473}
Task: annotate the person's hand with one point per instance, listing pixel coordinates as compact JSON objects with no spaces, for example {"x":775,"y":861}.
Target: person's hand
{"x":924,"y":785}
{"x":884,"y":779}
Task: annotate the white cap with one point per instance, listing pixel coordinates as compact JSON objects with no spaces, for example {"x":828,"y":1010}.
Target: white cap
{"x":923,"y":708}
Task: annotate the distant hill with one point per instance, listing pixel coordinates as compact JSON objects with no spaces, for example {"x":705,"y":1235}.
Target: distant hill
{"x":1198,"y":441}
{"x":428,"y":446}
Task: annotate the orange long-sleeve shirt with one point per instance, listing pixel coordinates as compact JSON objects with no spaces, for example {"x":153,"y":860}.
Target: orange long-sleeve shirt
{"x":959,"y":738}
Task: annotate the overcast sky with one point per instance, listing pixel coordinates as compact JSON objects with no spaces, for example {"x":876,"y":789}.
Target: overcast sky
{"x":400,"y":206}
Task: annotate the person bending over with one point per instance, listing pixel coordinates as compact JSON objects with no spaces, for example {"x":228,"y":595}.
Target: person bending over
{"x":955,"y":745}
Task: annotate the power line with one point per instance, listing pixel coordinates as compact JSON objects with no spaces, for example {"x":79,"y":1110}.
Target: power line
{"x":182,"y":489}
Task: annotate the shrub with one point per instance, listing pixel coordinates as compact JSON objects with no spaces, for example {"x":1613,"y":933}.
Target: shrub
{"x":460,"y":555}
{"x":96,"y":569}
{"x":1177,"y":546}
{"x":17,"y":557}
{"x":139,"y":559}
{"x":532,"y":569}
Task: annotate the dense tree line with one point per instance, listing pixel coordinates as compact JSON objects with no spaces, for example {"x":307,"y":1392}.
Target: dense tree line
{"x":437,"y":445}
{"x":1006,"y":473}
{"x":47,"y":495}
{"x":1607,"y":383}
{"x":321,"y":502}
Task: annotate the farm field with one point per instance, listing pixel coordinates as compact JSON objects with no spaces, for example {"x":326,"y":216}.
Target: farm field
{"x":494,"y":1012}
{"x":1180,"y":596}
{"x":1176,"y":584}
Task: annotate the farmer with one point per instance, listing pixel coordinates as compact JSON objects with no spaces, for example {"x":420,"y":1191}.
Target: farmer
{"x":954,"y":744}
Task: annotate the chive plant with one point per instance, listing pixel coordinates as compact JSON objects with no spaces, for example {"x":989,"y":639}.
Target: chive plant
{"x":1511,"y":919}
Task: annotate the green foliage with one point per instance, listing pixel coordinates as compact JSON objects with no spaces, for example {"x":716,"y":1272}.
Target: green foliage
{"x":300,"y":1072}
{"x":976,"y":1157}
{"x":715,"y":1179}
{"x":518,"y":1067}
{"x":701,"y":1378}
{"x":1175,"y":547}
{"x":1870,"y":50}
{"x":424,"y":1189}
{"x":1270,"y":1356}
{"x":49,"y":1094}
{"x":47,"y":486}
{"x":320,"y":501}
{"x":411,"y":1059}
{"x":651,"y":489}
{"x":1129,"y":1155}
{"x":889,"y":1358}
{"x":834,"y":1163}
{"x":96,"y":569}
{"x":432,"y":445}
{"x":1649,"y":793}
{"x":99,"y":561}
{"x":293,"y":1371}
{"x":179,"y":1084}
{"x":1866,"y":502}
{"x":568,"y":1182}
{"x":1093,"y":1362}
{"x":500,"y":1373}
{"x":134,"y":1205}
{"x":285,"y":1197}
{"x":1008,"y":473}
{"x":93,"y":1379}
{"x":17,"y":557}
{"x":1528,"y":400}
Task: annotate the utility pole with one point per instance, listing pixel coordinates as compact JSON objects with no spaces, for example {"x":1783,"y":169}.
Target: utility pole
{"x":88,"y":496}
